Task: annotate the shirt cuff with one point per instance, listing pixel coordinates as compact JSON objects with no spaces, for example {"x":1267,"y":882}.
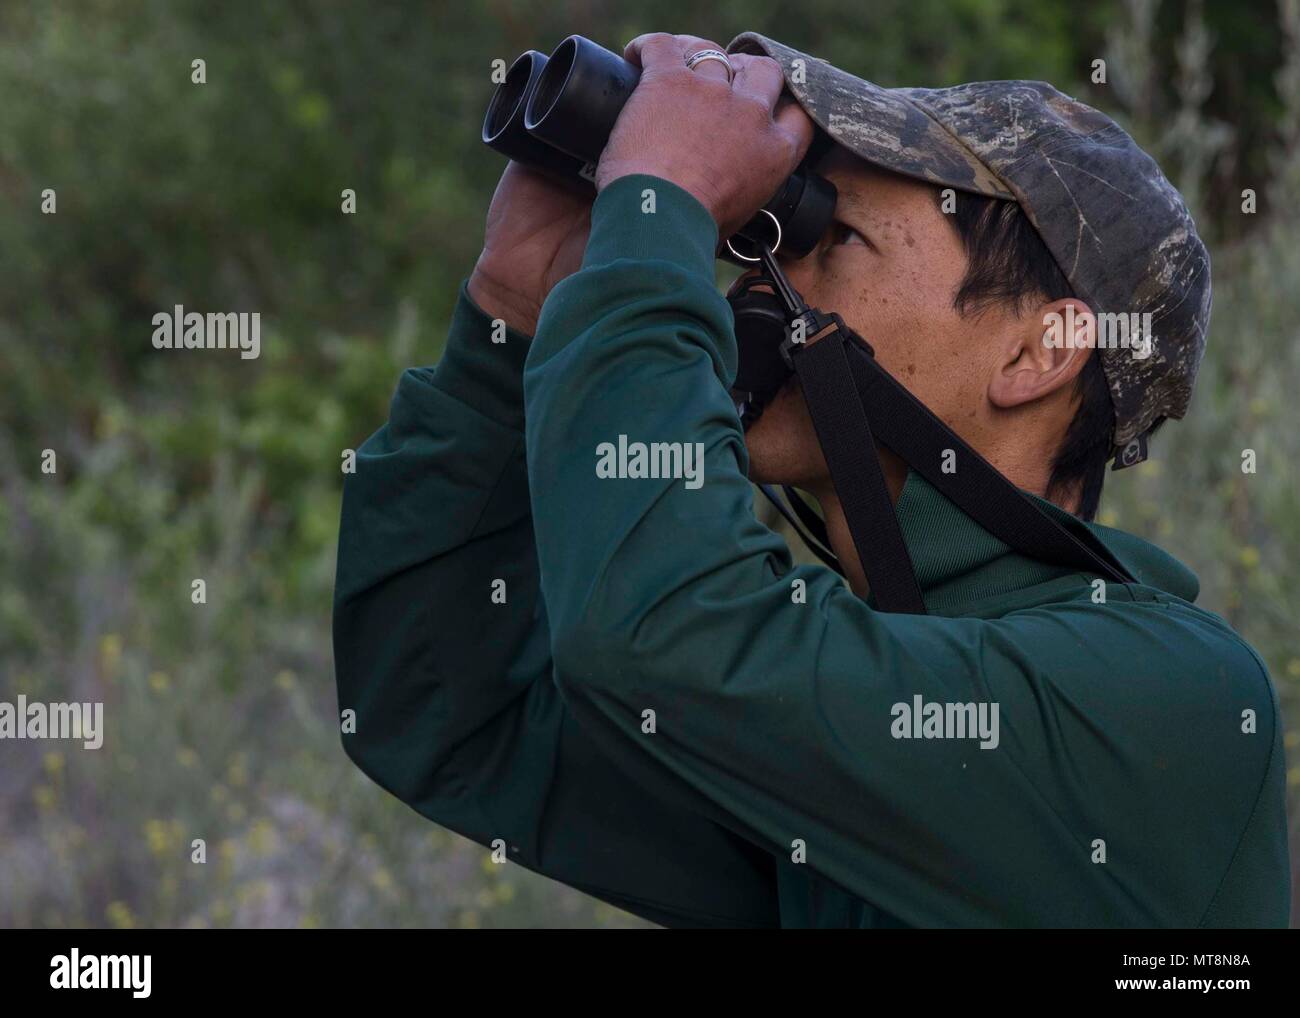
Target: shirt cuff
{"x":679,"y":229}
{"x":487,"y":375}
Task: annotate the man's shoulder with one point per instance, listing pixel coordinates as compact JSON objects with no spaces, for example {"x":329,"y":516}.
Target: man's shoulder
{"x":1135,"y":671}
{"x":1143,"y":642}
{"x":1198,"y":646}
{"x":1150,"y":564}
{"x":1151,"y":724}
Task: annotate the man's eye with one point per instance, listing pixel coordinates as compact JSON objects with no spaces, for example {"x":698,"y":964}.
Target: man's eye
{"x":843,"y":233}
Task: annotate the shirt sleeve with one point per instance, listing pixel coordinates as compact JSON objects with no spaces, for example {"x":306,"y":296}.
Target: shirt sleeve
{"x":774,"y":691}
{"x":442,"y":651}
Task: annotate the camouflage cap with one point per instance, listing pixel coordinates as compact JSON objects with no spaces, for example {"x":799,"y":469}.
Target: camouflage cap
{"x":1118,"y":229}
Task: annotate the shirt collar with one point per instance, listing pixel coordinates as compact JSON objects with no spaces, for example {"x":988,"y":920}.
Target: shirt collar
{"x":958,"y":563}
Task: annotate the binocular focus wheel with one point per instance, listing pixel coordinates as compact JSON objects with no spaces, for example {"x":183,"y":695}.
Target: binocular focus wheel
{"x":773,"y":249}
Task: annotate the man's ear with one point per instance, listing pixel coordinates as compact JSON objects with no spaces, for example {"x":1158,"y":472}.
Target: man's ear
{"x":1042,"y":353}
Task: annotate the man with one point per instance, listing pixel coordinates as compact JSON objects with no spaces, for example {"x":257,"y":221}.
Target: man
{"x":626,"y":683}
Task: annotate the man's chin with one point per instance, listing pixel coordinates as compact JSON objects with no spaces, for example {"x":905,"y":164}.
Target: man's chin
{"x":782,"y":443}
{"x":758,"y":472}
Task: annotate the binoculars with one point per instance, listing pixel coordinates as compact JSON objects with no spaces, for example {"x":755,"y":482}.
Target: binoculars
{"x":555,"y":114}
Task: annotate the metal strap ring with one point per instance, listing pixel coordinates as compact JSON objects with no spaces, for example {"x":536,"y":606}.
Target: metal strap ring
{"x":775,"y":247}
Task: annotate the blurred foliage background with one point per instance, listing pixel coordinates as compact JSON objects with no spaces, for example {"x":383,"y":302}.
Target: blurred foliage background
{"x":226,"y":196}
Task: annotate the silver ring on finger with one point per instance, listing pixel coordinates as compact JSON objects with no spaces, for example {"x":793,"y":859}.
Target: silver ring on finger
{"x":711,"y":54}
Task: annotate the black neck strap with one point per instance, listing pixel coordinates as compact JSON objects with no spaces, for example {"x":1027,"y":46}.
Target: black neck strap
{"x":845,"y":436}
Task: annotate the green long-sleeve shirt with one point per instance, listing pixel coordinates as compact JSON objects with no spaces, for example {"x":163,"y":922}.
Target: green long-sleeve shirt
{"x":1137,"y":773}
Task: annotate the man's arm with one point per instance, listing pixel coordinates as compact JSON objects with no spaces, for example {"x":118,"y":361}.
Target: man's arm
{"x":457,"y":713}
{"x":773,"y":713}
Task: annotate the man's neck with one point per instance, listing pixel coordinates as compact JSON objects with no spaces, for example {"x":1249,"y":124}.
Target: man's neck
{"x":837,"y":524}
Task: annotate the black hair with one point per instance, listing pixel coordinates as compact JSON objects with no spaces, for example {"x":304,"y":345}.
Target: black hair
{"x":1008,"y":263}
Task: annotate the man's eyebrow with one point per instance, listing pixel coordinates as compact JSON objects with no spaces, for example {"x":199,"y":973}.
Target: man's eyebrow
{"x":852,"y":202}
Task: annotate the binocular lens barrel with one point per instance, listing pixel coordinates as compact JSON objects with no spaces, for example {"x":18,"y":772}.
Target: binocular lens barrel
{"x":503,"y":127}
{"x":578,"y":97}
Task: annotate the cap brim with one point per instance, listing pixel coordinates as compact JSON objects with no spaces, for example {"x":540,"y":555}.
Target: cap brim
{"x":877,"y":124}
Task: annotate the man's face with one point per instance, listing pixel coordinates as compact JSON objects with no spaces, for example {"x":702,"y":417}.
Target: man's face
{"x":890,"y":264}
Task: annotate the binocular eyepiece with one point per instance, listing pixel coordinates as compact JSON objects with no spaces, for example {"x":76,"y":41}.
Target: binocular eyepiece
{"x":555,"y":114}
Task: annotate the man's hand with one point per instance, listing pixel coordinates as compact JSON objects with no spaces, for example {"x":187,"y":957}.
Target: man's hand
{"x":536,"y":234}
{"x":729,"y":145}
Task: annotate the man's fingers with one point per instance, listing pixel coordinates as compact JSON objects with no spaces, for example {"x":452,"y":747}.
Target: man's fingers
{"x":758,"y":76}
{"x":756,"y":138}
{"x":659,"y":51}
{"x":654,"y":49}
{"x":793,"y":121}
